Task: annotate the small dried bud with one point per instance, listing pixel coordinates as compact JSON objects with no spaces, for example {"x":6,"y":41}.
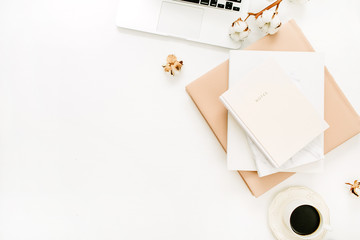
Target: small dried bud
{"x":173,"y":66}
{"x":171,"y":59}
{"x":354,"y":186}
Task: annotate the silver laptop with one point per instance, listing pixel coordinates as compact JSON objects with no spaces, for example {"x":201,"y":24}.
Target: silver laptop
{"x":205,"y":21}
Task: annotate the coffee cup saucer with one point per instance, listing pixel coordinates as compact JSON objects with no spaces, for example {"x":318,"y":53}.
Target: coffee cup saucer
{"x":295,"y":194}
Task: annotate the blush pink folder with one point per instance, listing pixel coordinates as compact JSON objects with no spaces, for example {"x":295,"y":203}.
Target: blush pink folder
{"x":343,"y":120}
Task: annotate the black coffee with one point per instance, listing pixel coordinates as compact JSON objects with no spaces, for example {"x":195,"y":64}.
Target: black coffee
{"x":304,"y":220}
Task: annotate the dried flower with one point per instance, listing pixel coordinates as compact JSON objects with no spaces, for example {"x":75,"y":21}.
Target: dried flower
{"x":269,"y":22}
{"x":239,"y":30}
{"x":354,"y":186}
{"x":173,"y":66}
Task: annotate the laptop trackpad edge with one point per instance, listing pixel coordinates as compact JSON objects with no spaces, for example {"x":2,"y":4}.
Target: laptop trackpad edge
{"x":180,"y":21}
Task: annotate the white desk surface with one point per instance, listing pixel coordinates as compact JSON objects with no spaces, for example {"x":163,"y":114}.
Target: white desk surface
{"x":96,"y":142}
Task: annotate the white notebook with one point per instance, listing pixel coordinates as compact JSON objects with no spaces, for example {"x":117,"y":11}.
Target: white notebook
{"x":306,"y":69}
{"x":273,"y":112}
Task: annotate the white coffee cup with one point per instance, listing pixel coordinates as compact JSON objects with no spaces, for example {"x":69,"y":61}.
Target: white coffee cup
{"x":289,"y":209}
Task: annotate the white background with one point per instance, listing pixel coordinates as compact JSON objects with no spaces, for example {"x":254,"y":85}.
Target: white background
{"x":96,"y":142}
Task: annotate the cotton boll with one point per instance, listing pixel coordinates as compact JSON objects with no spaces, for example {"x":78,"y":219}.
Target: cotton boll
{"x":231,"y":30}
{"x":275,"y":22}
{"x":260,"y":22}
{"x":235,"y":36}
{"x":272,"y":30}
{"x":172,"y":66}
{"x":239,"y":30}
{"x":267,"y":16}
{"x":265,"y":28}
{"x":269,"y":22}
{"x":240,"y":26}
{"x":244,"y":34}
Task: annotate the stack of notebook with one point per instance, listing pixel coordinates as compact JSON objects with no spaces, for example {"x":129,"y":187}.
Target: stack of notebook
{"x":277,"y":112}
{"x":340,"y":116}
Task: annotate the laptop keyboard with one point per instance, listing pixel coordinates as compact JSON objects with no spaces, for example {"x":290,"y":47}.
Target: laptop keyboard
{"x":233,"y":5}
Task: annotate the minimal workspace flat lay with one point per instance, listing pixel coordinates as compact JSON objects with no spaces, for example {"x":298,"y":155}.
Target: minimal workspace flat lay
{"x":179,"y":119}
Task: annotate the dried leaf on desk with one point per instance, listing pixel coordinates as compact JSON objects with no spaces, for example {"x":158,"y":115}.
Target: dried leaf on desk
{"x":354,"y":186}
{"x":173,"y":66}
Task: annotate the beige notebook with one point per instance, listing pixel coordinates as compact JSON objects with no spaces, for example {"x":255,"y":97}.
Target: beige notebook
{"x":273,"y":112}
{"x":344,"y":122}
